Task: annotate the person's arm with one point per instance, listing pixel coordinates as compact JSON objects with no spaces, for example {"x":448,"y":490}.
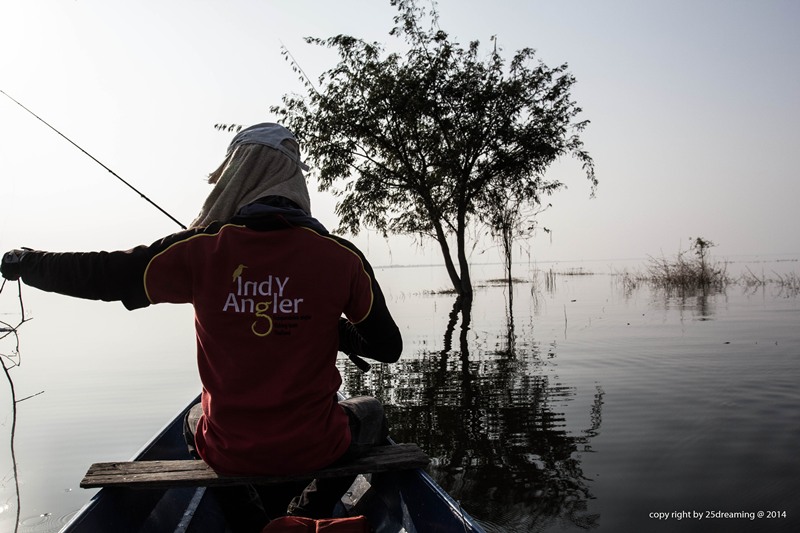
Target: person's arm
{"x":107,"y":276}
{"x":376,"y":336}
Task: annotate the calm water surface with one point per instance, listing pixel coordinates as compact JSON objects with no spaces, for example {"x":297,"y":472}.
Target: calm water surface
{"x":587,"y":407}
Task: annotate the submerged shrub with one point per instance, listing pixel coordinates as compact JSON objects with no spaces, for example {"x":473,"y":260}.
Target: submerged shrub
{"x":688,"y":270}
{"x":692,"y":271}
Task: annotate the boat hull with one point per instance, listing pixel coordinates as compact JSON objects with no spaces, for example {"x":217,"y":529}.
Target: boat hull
{"x":394,"y":502}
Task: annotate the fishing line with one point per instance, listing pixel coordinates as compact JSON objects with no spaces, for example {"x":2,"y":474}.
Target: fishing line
{"x":95,"y":160}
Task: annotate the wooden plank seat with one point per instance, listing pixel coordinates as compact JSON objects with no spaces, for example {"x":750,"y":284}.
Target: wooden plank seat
{"x":196,"y":473}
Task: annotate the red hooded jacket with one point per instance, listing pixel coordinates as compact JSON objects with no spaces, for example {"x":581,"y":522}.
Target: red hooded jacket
{"x":269,"y":290}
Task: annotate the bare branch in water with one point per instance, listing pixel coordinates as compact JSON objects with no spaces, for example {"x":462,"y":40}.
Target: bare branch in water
{"x":30,"y":396}
{"x":14,"y":360}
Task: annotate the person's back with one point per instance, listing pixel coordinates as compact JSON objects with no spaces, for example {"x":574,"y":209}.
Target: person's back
{"x":268,"y":291}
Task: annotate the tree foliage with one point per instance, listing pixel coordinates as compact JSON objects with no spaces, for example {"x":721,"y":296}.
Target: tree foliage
{"x":419,"y":142}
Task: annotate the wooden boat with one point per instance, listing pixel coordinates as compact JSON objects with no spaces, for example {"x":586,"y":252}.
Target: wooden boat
{"x":395,"y":502}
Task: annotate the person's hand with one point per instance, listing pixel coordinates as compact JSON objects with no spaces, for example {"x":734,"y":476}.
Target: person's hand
{"x":10,"y":266}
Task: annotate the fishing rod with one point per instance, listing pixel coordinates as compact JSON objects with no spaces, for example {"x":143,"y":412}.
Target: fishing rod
{"x":137,"y":191}
{"x":7,"y":329}
{"x":358,"y":361}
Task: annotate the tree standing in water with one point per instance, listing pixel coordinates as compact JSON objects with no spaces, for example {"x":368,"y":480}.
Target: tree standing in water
{"x":701,"y":247}
{"x":422,"y":139}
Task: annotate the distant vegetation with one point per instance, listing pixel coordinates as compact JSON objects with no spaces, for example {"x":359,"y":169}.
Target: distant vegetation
{"x":789,"y":283}
{"x":693,"y":270}
{"x":690,"y":269}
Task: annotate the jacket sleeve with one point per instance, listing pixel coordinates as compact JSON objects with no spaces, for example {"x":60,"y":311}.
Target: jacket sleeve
{"x":107,"y":276}
{"x":377,"y":335}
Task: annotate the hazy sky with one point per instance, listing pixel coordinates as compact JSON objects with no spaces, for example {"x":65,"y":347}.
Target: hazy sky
{"x":694,"y":110}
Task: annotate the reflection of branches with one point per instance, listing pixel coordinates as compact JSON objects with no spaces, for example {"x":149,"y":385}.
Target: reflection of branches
{"x":13,"y":360}
{"x":509,"y":349}
{"x":596,"y":417}
{"x":489,"y":423}
{"x":451,"y":327}
{"x":699,"y":301}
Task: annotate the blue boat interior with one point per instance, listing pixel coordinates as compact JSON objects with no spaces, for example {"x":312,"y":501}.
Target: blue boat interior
{"x":394,"y":502}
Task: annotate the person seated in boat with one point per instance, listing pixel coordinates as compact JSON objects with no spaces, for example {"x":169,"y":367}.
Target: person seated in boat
{"x":276,"y":296}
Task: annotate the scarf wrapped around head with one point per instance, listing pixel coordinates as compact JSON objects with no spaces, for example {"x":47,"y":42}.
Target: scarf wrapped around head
{"x":262,"y":160}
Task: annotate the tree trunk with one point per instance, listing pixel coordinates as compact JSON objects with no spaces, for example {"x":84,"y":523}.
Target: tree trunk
{"x":448,"y":260}
{"x":463,"y":263}
{"x":508,"y":251}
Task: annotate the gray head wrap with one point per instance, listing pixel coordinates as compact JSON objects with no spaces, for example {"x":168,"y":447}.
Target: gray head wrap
{"x":251,"y":171}
{"x":268,"y":134}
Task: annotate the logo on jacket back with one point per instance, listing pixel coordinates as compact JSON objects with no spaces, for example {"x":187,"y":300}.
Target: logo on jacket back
{"x":263,"y":299}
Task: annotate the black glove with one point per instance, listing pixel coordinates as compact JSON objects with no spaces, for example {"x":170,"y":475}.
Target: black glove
{"x":10,"y":266}
{"x":351,"y":343}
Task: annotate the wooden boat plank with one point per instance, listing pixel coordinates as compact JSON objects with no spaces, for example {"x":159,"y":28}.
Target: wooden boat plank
{"x":185,"y":473}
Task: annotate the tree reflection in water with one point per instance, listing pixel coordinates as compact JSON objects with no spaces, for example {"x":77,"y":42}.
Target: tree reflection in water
{"x":491,"y":426}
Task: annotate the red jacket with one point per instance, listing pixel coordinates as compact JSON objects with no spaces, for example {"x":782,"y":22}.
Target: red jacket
{"x":268,"y":290}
